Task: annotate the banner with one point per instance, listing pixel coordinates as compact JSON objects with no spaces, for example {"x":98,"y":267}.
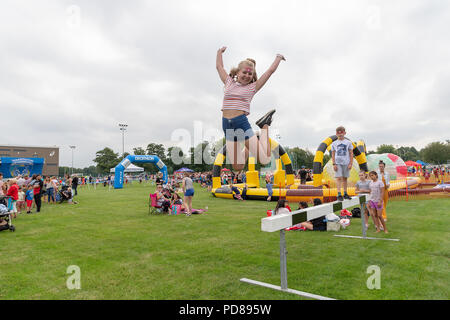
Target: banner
{"x":13,"y":167}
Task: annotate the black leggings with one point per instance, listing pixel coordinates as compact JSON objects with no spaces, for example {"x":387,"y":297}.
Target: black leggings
{"x":37,"y":200}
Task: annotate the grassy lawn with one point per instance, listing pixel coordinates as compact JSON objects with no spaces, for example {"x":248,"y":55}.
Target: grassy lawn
{"x":124,"y":253}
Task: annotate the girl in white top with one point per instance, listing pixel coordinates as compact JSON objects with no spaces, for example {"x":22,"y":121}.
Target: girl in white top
{"x":362,"y":187}
{"x":376,"y":201}
{"x":240,"y":87}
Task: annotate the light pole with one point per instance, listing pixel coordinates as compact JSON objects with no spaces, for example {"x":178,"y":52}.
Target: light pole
{"x":123,"y":127}
{"x":72,"y":147}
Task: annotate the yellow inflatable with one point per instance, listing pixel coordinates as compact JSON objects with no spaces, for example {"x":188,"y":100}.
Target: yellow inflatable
{"x":286,"y":186}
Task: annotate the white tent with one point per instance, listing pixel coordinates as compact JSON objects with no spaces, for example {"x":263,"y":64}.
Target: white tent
{"x":130,"y":168}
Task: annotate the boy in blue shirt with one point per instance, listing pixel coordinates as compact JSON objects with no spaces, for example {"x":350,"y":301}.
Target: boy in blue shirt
{"x":29,"y":196}
{"x":342,"y":156}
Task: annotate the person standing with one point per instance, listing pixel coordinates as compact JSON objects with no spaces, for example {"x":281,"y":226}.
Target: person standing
{"x":49,"y":190}
{"x":188,"y":190}
{"x":386,"y":181}
{"x":376,"y":201}
{"x":20,"y":181}
{"x":37,"y":189}
{"x":269,"y":185}
{"x":29,"y":195}
{"x":1,"y":184}
{"x":75,"y":185}
{"x":363,"y":187}
{"x":342,"y":155}
{"x":303,"y":173}
{"x":13,"y":192}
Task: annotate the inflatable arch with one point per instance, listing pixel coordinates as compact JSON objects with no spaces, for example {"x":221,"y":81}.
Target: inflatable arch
{"x":359,"y":152}
{"x":281,"y":177}
{"x":119,"y":169}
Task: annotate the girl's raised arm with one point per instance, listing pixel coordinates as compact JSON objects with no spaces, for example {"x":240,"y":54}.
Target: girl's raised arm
{"x":263,"y":79}
{"x":219,"y":65}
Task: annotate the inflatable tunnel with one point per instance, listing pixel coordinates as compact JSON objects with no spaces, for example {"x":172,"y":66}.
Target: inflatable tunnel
{"x":120,"y":168}
{"x":282,"y":178}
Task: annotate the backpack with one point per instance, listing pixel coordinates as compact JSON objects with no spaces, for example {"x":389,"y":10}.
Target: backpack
{"x":356,"y":212}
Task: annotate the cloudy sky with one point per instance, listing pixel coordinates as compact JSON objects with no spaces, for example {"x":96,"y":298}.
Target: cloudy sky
{"x":71,"y":71}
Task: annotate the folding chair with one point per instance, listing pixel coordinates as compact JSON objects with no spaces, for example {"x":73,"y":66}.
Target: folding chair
{"x":153,"y":207}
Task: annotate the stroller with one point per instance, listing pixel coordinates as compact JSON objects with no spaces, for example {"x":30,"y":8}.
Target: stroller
{"x":64,"y":194}
{"x":5,"y":216}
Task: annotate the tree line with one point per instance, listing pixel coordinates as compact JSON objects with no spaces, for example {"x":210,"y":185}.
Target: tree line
{"x":201,"y":157}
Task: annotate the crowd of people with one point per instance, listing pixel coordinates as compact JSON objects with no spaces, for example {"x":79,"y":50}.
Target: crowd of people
{"x":25,"y":193}
{"x":168,"y":195}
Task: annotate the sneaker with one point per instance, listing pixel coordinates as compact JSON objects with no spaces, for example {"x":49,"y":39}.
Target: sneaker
{"x":340,"y":198}
{"x":266,"y":119}
{"x":346,"y":196}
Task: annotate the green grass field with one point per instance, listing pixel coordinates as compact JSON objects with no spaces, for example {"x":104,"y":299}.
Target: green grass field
{"x":125,"y":253}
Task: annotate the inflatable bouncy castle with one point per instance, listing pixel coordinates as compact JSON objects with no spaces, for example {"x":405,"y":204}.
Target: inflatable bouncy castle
{"x":323,"y":184}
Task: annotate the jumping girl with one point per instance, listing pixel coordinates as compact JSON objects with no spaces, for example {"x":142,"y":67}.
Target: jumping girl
{"x":376,"y":201}
{"x":241,"y":84}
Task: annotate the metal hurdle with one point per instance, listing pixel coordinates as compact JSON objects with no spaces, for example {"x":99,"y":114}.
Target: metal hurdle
{"x":282,"y":221}
{"x":363,"y":228}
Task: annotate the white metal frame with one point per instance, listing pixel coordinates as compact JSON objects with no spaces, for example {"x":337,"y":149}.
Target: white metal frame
{"x":282,"y":221}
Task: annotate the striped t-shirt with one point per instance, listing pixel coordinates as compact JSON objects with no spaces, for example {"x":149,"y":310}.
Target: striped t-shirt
{"x":238,"y":96}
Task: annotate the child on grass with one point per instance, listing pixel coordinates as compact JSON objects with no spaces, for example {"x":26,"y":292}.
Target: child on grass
{"x":176,"y":204}
{"x":29,"y":196}
{"x":13,"y":192}
{"x":362,"y":187}
{"x":376,"y":201}
{"x":21,"y":202}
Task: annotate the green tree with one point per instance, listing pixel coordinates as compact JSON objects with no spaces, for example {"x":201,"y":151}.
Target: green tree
{"x":436,"y":152}
{"x":139,"y":151}
{"x":106,"y":159}
{"x":300,"y":157}
{"x":408,"y":153}
{"x":200,"y":157}
{"x":175,"y":159}
{"x":386,"y":148}
{"x":157,"y":150}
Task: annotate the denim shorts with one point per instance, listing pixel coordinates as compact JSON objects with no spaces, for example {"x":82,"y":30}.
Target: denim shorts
{"x":237,"y":129}
{"x":189,"y":192}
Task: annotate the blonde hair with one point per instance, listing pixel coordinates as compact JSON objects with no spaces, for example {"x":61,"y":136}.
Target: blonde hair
{"x":248,"y":62}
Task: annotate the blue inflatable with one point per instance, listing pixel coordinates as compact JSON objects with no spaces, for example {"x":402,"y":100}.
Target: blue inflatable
{"x":120,"y":168}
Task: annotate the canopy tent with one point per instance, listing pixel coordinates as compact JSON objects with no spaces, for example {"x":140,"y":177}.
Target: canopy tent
{"x":184,"y":170}
{"x":422,"y":163}
{"x":410,"y":163}
{"x":130,"y":168}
